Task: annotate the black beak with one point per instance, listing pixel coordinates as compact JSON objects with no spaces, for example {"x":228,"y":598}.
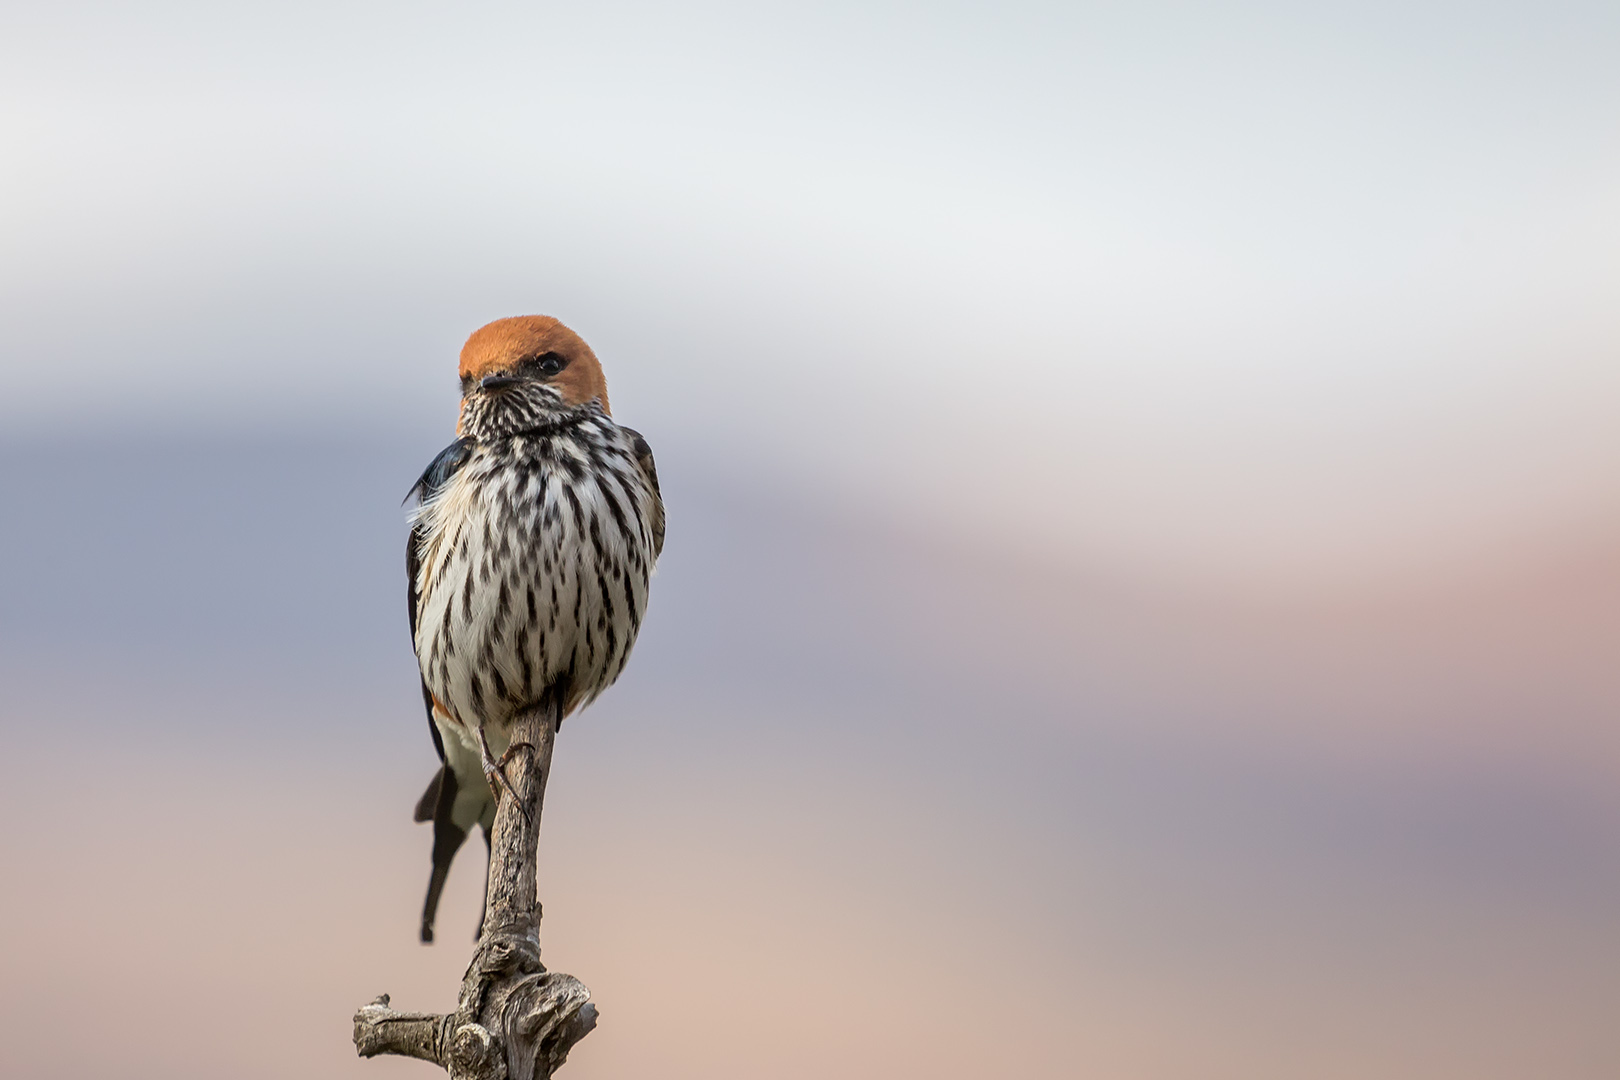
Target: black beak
{"x":498,"y":382}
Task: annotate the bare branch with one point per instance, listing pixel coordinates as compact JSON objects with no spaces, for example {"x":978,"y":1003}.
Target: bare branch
{"x":380,"y":1030}
{"x":514,"y":1019}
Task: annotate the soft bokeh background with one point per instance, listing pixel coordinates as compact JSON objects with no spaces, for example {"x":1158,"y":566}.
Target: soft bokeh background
{"x":1143,"y":585}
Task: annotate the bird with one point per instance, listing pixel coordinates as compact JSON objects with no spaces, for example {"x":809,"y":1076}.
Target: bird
{"x":532,"y":545}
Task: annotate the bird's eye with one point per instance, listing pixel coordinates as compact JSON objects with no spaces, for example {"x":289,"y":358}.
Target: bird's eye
{"x":551,"y":363}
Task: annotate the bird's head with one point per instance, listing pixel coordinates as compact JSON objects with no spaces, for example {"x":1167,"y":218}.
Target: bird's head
{"x":522,"y":373}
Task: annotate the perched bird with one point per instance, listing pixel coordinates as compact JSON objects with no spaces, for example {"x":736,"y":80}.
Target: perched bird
{"x":530,"y":551}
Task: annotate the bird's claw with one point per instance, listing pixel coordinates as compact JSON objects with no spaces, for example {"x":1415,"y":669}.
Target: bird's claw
{"x":501,"y":765}
{"x":495,"y":771}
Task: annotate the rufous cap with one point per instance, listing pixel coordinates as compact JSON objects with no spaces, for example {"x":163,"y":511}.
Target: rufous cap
{"x":504,"y":343}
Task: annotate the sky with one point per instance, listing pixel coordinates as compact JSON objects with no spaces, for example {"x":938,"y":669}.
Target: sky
{"x":1143,"y":581}
{"x":1280,"y":294}
{"x":860,"y":797}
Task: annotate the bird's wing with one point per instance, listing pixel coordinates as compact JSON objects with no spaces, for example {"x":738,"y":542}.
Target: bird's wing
{"x":438,"y":801}
{"x":437,"y":474}
{"x":644,"y":458}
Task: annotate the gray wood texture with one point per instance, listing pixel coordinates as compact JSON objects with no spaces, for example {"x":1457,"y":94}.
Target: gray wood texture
{"x":514,"y":1020}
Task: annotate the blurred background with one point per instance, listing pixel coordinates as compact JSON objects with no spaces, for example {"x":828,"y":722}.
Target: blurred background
{"x":1142,"y":596}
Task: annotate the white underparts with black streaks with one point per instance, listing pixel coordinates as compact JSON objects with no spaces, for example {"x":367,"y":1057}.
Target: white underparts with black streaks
{"x":535,"y":560}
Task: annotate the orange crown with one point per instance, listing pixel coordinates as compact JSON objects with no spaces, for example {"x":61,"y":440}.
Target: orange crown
{"x":504,"y":343}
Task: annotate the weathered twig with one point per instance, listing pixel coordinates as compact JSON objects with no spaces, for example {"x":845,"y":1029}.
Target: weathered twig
{"x":514,"y":1019}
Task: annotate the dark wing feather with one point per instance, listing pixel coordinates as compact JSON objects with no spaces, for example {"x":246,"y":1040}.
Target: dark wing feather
{"x":439,"y":799}
{"x":644,"y":458}
{"x":437,"y":474}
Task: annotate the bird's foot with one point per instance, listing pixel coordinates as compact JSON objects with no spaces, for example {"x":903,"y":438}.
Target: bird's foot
{"x":510,"y":750}
{"x":495,"y":771}
{"x":501,"y":765}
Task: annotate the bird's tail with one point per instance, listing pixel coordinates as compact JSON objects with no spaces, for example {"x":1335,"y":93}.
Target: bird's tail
{"x":435,"y":806}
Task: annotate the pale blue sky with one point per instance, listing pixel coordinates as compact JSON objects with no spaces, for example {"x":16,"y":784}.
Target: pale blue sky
{"x":1280,"y":288}
{"x":1298,"y":294}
